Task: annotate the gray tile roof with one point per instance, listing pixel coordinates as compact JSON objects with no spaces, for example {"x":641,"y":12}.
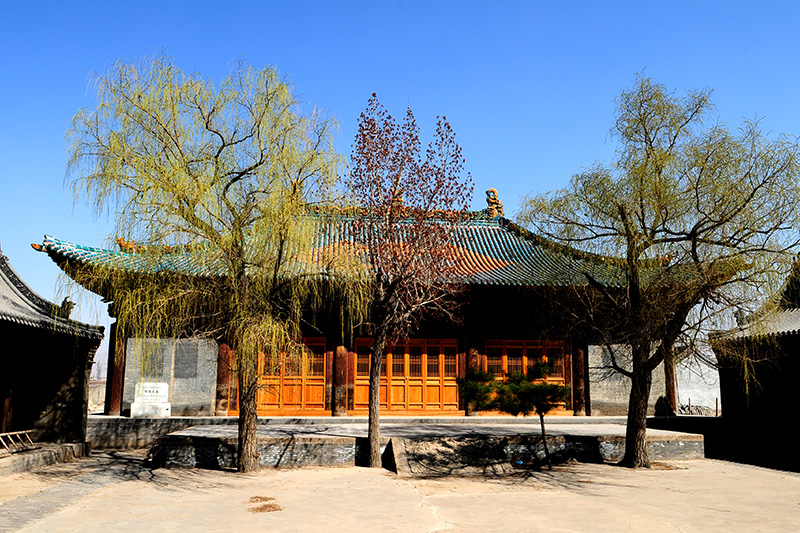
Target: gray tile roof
{"x":773,"y":323}
{"x":20,"y":305}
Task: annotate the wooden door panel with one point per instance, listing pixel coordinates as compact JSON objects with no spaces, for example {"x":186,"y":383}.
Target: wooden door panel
{"x":398,"y":395}
{"x":268,"y":397}
{"x":292,"y":396}
{"x":450,"y":395}
{"x":418,"y":375}
{"x":433,"y":395}
{"x":361,"y":395}
{"x":415,"y":397}
{"x":315,"y":395}
{"x":383,"y":396}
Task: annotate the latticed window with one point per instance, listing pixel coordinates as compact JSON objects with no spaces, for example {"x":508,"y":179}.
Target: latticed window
{"x":535,"y":353}
{"x":362,"y":360}
{"x":415,"y":358}
{"x":398,"y":362}
{"x":555,"y":360}
{"x":415,"y":361}
{"x":494,"y":360}
{"x":450,"y":361}
{"x":315,"y":356}
{"x":514,"y":359}
{"x":293,"y":365}
{"x":433,"y":361}
{"x":507,"y":357}
{"x":272,"y":365}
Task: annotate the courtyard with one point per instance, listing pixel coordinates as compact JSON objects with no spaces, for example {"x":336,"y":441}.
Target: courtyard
{"x":115,"y":491}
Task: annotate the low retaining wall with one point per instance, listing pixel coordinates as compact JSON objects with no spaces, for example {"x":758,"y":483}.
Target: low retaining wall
{"x":187,"y":451}
{"x":120,"y":432}
{"x":47,"y":454}
{"x":420,"y":456}
{"x":494,"y":455}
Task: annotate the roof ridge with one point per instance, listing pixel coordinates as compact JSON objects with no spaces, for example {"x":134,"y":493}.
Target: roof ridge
{"x":405,"y":211}
{"x":565,"y":249}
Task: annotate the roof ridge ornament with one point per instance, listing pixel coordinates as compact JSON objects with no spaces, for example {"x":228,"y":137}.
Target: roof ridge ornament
{"x":493,"y":204}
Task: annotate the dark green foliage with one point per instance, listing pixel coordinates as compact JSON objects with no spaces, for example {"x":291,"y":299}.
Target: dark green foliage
{"x":476,"y":389}
{"x":516,"y":394}
{"x":519,"y":394}
{"x":539,"y":371}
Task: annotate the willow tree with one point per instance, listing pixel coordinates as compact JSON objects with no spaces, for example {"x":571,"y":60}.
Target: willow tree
{"x":703,"y":220}
{"x":220,"y":173}
{"x":410,"y":208}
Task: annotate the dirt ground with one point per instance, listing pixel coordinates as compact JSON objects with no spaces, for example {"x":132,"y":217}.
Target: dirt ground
{"x":114,"y":492}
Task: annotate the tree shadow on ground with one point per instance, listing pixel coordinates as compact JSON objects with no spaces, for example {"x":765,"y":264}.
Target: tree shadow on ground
{"x":464,"y":456}
{"x":119,"y":464}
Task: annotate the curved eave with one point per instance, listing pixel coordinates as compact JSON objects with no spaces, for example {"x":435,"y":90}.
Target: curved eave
{"x":778,"y":324}
{"x":22,"y":306}
{"x":58,"y":325}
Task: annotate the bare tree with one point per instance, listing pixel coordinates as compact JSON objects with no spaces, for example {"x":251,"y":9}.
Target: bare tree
{"x":410,"y":207}
{"x":702,"y":220}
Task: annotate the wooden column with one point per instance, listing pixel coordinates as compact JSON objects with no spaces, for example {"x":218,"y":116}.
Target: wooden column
{"x":222,"y":403}
{"x":329,"y":375}
{"x":587,"y":389}
{"x":5,"y":407}
{"x":579,"y":350}
{"x":115,"y":377}
{"x":339,"y":394}
{"x":350,"y":366}
{"x":473,"y":361}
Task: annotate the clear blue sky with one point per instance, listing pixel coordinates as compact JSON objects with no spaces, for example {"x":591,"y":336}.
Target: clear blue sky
{"x":529,"y":87}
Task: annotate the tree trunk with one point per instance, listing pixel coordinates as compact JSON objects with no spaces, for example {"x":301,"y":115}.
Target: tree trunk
{"x":669,"y":380}
{"x":374,"y":427}
{"x":544,"y":441}
{"x":248,"y":456}
{"x":636,"y":432}
{"x":247,"y":364}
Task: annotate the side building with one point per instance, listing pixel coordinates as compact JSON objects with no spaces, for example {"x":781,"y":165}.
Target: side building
{"x":519,"y":289}
{"x":46,"y":362}
{"x":759,"y":358}
{"x":758,"y":361}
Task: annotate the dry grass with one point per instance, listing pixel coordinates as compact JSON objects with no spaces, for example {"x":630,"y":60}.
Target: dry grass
{"x":268,"y":507}
{"x":261,"y":499}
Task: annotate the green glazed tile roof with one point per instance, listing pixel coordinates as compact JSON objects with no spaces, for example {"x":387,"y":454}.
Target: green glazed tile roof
{"x":490,"y":251}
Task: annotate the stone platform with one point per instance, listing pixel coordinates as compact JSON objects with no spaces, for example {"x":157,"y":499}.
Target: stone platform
{"x":430,"y":448}
{"x":122,"y":432}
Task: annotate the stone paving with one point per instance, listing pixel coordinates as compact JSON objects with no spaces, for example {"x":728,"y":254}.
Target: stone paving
{"x":62,"y":485}
{"x":115,"y":492}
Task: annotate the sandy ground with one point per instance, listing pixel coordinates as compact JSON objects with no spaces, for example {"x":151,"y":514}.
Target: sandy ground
{"x":113,"y":492}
